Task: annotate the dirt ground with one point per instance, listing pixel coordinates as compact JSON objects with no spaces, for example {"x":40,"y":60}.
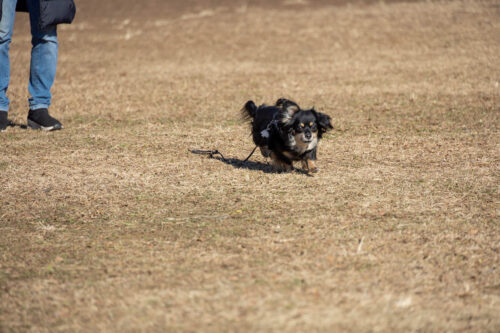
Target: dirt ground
{"x":113,"y":224}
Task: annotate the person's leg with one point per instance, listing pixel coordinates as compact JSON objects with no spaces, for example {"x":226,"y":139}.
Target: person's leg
{"x":6,"y":28}
{"x":42,"y":71}
{"x":43,"y":60}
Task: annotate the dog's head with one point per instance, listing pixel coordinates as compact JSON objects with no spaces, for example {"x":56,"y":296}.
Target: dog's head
{"x":303,"y":127}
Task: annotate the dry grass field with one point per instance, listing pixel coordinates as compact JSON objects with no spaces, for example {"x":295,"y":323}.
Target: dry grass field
{"x":113,"y":224}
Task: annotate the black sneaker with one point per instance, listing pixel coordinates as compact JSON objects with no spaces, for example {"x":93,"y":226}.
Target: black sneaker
{"x":4,"y":122}
{"x":40,"y":119}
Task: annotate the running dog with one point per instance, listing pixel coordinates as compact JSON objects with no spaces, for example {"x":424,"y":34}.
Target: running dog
{"x":287,"y":133}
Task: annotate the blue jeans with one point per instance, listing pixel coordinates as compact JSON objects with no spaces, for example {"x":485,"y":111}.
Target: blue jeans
{"x":43,"y":56}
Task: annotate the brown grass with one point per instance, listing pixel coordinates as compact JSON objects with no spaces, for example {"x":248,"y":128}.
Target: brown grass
{"x":114,"y":225}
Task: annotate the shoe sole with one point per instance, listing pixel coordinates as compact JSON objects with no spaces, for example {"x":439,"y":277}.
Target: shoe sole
{"x":36,"y":126}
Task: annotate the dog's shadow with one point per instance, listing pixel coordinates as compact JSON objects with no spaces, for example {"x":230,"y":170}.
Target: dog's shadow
{"x":244,"y":164}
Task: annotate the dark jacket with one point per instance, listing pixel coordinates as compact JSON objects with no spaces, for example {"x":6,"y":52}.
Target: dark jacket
{"x":52,"y":12}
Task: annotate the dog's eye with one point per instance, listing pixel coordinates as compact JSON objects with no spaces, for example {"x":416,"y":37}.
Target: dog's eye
{"x":302,"y":125}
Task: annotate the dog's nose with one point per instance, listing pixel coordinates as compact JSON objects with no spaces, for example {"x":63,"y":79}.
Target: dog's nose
{"x":307,"y":135}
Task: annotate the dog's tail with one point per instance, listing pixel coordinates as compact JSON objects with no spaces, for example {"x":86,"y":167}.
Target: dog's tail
{"x":249,"y":110}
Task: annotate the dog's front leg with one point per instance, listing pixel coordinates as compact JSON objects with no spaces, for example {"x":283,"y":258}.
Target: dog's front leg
{"x":309,"y":165}
{"x":280,"y":165}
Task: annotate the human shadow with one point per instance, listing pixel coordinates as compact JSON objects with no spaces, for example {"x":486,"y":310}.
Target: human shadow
{"x":244,"y":164}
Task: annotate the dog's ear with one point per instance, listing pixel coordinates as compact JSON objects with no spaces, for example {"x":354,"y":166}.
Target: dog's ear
{"x":324,"y":122}
{"x":288,"y":109}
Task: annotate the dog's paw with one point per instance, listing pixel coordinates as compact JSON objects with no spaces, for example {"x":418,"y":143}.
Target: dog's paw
{"x":283,"y":168}
{"x":309,"y":166}
{"x":313,"y":170}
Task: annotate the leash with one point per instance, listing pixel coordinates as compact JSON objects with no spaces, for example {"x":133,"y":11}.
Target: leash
{"x":212,"y":153}
{"x":253,"y":151}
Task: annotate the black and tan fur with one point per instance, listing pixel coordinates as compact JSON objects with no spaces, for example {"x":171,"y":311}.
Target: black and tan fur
{"x":286,"y":133}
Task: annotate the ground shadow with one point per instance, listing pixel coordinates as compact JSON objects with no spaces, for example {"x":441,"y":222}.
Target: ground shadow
{"x":243,"y":164}
{"x":13,"y":124}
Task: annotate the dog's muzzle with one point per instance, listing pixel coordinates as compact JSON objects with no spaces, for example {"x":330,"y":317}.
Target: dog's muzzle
{"x":307,"y":137}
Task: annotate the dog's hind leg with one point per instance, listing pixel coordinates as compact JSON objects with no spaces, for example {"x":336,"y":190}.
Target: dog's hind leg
{"x":265,"y":151}
{"x":280,"y":165}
